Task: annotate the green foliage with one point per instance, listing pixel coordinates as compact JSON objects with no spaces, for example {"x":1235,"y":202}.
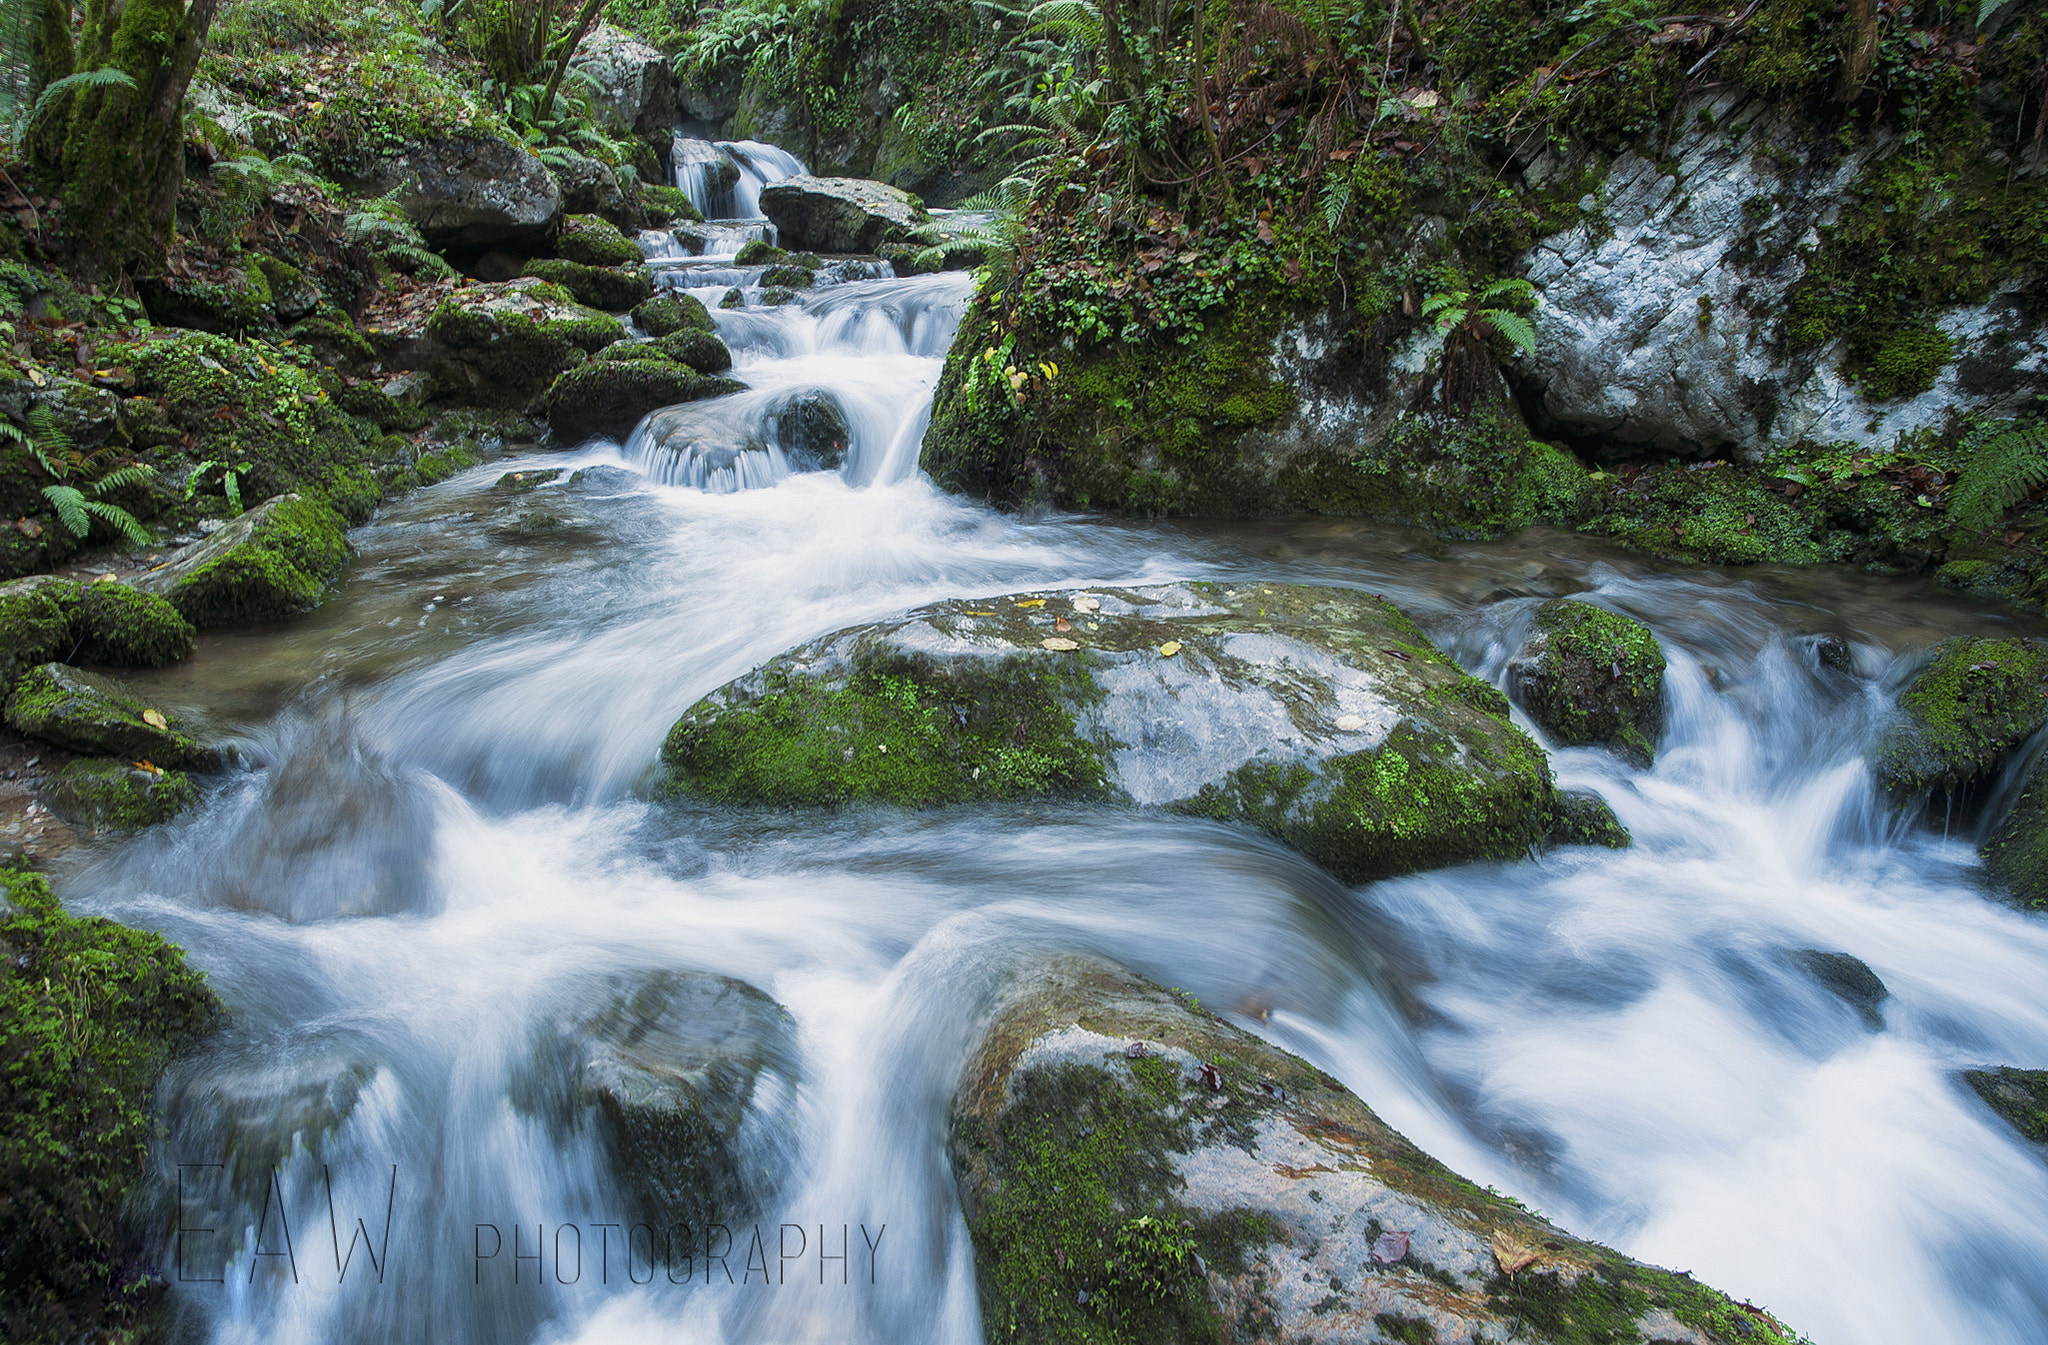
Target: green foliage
{"x":97,"y":474}
{"x":89,"y":1013}
{"x":2000,"y":472}
{"x":381,"y":224}
{"x":106,"y":77}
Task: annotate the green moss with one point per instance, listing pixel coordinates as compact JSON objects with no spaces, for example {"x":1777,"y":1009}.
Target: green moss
{"x":90,"y":1013}
{"x":88,"y":713}
{"x":1585,"y":819}
{"x":1473,"y":475}
{"x":506,"y":358}
{"x":2018,"y":1095}
{"x":1406,"y":1330}
{"x":896,"y":730}
{"x":788,"y":277}
{"x":1714,"y":513}
{"x":670,"y":312}
{"x":699,"y":350}
{"x":596,"y":242}
{"x":1976,"y":702}
{"x":759,"y":252}
{"x":278,"y":565}
{"x":777,"y":295}
{"x":608,"y":397}
{"x":128,"y":628}
{"x":669,"y":203}
{"x":614,"y":291}
{"x":35,"y":626}
{"x":117,"y":794}
{"x":1907,"y":363}
{"x":1597,"y":679}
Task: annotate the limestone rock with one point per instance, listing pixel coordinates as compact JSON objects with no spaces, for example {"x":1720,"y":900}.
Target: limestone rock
{"x":635,"y":84}
{"x":1125,"y":1158}
{"x":85,"y":712}
{"x":275,"y":561}
{"x":1592,"y":677}
{"x":1322,"y":716}
{"x":592,"y":188}
{"x":839,"y":214}
{"x":470,"y":191}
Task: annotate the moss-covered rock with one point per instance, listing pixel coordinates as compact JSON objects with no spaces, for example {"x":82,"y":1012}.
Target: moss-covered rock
{"x":613,"y":289}
{"x":788,"y":277}
{"x":90,"y":1013}
{"x":2020,"y":1096}
{"x":129,"y":628}
{"x":1969,"y":708}
{"x":596,"y":242}
{"x":98,"y":716}
{"x":1133,"y":1169}
{"x":275,"y":561}
{"x":1578,"y":818}
{"x":105,"y":795}
{"x":775,"y":296}
{"x":1592,"y":677}
{"x":36,"y":616}
{"x":2015,"y":853}
{"x":502,"y":345}
{"x":702,"y":351}
{"x":672,"y":311}
{"x":1848,"y":979}
{"x":608,"y":397}
{"x":230,"y":303}
{"x":759,"y":252}
{"x":1374,"y":754}
{"x":667,"y":204}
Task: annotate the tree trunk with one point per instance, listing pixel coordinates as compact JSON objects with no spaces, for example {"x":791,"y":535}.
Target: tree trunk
{"x":124,"y":153}
{"x":50,"y":59}
{"x":1859,"y":55}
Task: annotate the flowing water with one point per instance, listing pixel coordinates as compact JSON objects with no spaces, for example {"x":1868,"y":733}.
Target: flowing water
{"x":442,"y":842}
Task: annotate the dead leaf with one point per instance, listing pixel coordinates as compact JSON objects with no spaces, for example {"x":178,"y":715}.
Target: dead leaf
{"x":155,"y":718}
{"x":1170,"y":648}
{"x":1390,"y":1247}
{"x":108,"y":578}
{"x":1213,"y":1077}
{"x":1511,"y":1253}
{"x":979,"y":614}
{"x":1087,"y":604}
{"x":28,"y":527}
{"x":1055,"y":642}
{"x":1060,"y":623}
{"x":1031,"y":602}
{"x":1351,"y":723}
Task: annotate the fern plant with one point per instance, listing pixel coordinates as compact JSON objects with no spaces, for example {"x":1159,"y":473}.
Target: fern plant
{"x":1998,"y":475}
{"x":1469,"y":321}
{"x":230,"y":480}
{"x":106,"y":77}
{"x":76,"y":506}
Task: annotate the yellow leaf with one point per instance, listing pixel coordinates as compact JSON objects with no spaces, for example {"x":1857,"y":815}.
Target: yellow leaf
{"x":980,"y":614}
{"x":155,"y":718}
{"x":106,"y":578}
{"x":1170,"y":648}
{"x":1055,"y":642}
{"x":1031,"y":602}
{"x":1512,"y":1254}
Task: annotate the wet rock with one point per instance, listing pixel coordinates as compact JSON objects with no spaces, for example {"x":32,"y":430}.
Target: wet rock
{"x":275,"y":561}
{"x":759,"y":252}
{"x":713,"y":167}
{"x":2020,"y":1096}
{"x":669,"y":312}
{"x":88,"y":713}
{"x":692,"y":1075}
{"x":258,"y":1111}
{"x":839,"y":214}
{"x":2015,"y":853}
{"x":592,"y":188}
{"x":518,"y":483}
{"x":596,"y":242}
{"x":100,"y":795}
{"x":788,"y":277}
{"x":634,"y":84}
{"x":1849,"y":979}
{"x":1592,"y":677}
{"x":700,"y":350}
{"x":501,"y":345}
{"x":1580,"y":818}
{"x":1322,"y":716}
{"x":812,"y":431}
{"x":775,"y":296}
{"x":608,"y":397}
{"x":613,"y":289}
{"x":1127,"y":1161}
{"x":732,"y":298}
{"x":470,"y":191}
{"x":1832,"y":651}
{"x":1963,"y":714}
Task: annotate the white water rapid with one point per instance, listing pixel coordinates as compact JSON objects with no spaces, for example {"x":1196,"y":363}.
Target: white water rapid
{"x":444,"y":841}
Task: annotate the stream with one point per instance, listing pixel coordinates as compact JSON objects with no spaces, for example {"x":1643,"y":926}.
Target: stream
{"x":444,"y":837}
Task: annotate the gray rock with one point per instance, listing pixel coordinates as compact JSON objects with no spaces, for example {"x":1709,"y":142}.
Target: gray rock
{"x":274,"y":561}
{"x":839,"y":214}
{"x":1849,"y":979}
{"x":1592,"y":677}
{"x":470,"y":191}
{"x":592,"y":188}
{"x":635,"y":85}
{"x":1323,"y":716}
{"x":1123,"y":1156}
{"x":98,"y":716}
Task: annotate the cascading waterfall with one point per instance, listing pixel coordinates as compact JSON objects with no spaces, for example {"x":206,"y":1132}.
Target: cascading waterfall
{"x":723,"y":180}
{"x":444,"y":851}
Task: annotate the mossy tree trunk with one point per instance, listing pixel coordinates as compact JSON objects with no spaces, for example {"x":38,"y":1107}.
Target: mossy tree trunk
{"x":50,"y":59}
{"x":1859,"y":51}
{"x":121,"y":158}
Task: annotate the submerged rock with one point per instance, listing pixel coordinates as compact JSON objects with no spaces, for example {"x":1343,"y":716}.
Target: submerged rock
{"x":1132,"y":1168}
{"x":100,"y":795}
{"x":613,"y":289}
{"x":1850,"y":980}
{"x":275,"y":561}
{"x":608,"y":397}
{"x":1322,"y":716}
{"x":2020,"y":1096}
{"x":1964,"y":713}
{"x":839,"y":214}
{"x":1592,"y":677}
{"x":85,"y":712}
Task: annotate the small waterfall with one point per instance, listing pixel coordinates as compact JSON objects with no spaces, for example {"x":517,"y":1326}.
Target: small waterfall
{"x":724,"y":179}
{"x":759,"y":165}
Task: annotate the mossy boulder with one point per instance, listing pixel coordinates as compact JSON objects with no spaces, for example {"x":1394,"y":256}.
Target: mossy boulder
{"x":788,"y":277}
{"x":1135,"y":1169}
{"x":670,"y":312}
{"x":1322,"y":716}
{"x":1578,"y":818}
{"x":608,"y":397}
{"x":1963,"y":714}
{"x":2019,"y":1096}
{"x":502,"y":345}
{"x":2015,"y":853}
{"x":759,"y":252}
{"x":667,"y":204}
{"x":230,"y":302}
{"x":90,"y":1013}
{"x":1592,"y":677}
{"x":87,"y":713}
{"x":702,"y":351}
{"x":613,"y":289}
{"x":36,"y":616}
{"x":275,"y":561}
{"x":596,"y":242}
{"x":45,"y":618}
{"x":775,"y":296}
{"x":103,"y":795}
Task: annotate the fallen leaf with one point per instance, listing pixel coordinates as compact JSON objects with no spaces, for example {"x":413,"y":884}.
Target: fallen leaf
{"x":1512,"y":1254}
{"x":1062,"y":624}
{"x":1170,"y":648}
{"x":1087,"y":604}
{"x":1054,"y":642}
{"x":1351,"y":723}
{"x":155,"y":718}
{"x":1212,"y":1077}
{"x":980,"y":613}
{"x":108,"y":578}
{"x":142,"y":766}
{"x":1390,"y":1247}
{"x":1031,"y":602}
{"x":1396,"y":654}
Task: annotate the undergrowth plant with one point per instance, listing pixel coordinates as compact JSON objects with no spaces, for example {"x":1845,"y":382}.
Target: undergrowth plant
{"x":95,"y":474}
{"x":2001,"y":472}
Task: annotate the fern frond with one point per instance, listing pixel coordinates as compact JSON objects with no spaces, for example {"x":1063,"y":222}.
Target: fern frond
{"x":70,"y":502}
{"x":130,"y":526}
{"x":1998,"y":475}
{"x":9,"y":430}
{"x":1509,"y":290}
{"x":1436,"y":304}
{"x":106,"y":77}
{"x":135,"y":473}
{"x":1520,"y":332}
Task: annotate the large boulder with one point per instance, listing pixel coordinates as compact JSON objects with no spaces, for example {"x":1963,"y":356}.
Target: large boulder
{"x":1132,"y":1168}
{"x":839,"y":214}
{"x":98,"y":716}
{"x":44,"y":617}
{"x":1592,"y":677}
{"x":275,"y":561}
{"x":503,"y":344}
{"x":470,"y":191}
{"x":1963,"y":715}
{"x":612,"y":289}
{"x":1323,"y":716}
{"x":596,"y":242}
{"x":608,"y":397}
{"x":101,"y":795}
{"x":634,"y":83}
{"x":592,"y":188}
{"x":671,"y":311}
{"x":708,"y":173}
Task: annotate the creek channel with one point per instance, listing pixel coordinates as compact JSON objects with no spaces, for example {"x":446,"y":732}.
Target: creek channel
{"x":443,"y":840}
